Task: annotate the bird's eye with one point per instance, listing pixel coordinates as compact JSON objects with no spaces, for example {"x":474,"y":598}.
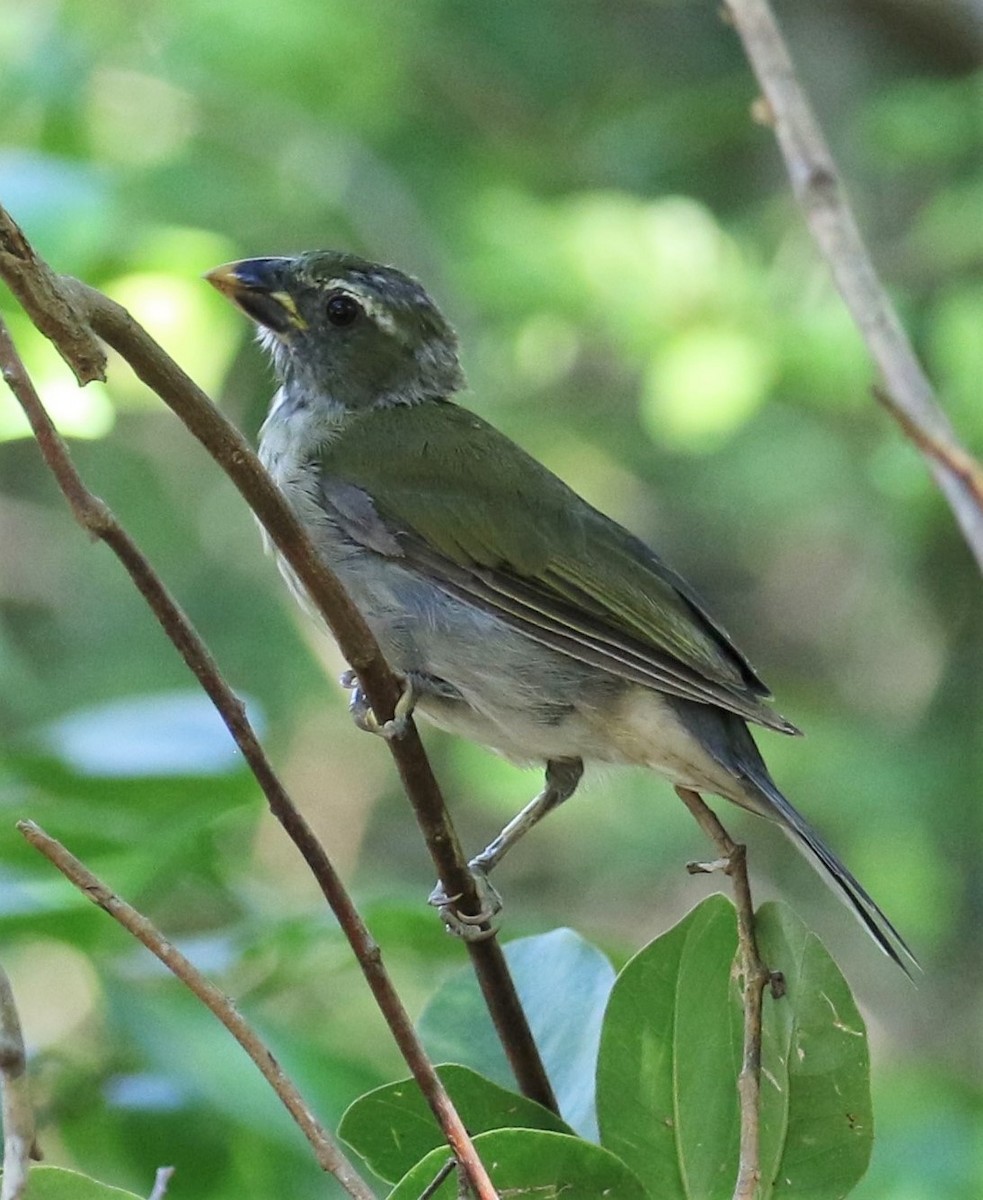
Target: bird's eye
{"x":342,"y":309}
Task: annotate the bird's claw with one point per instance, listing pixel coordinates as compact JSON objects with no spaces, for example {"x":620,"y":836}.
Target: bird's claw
{"x":364,"y":716}
{"x":468,"y":926}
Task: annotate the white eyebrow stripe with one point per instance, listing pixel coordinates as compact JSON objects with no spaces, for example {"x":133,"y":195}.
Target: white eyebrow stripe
{"x":378,"y":312}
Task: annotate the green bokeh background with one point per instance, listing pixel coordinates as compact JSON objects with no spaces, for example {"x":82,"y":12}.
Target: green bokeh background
{"x":583,"y":189}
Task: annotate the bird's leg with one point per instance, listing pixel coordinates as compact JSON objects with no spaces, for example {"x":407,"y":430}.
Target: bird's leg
{"x":562,"y":777}
{"x":363,"y":715}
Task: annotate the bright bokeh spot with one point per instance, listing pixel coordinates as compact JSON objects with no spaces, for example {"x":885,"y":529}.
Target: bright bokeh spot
{"x":704,"y":385}
{"x":545,"y":349}
{"x":77,"y":412}
{"x":138,"y":119}
{"x":651,"y":266}
{"x":56,"y":990}
{"x":194,"y":327}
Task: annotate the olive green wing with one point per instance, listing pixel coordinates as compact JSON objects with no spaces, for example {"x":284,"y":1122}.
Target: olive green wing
{"x":456,"y":500}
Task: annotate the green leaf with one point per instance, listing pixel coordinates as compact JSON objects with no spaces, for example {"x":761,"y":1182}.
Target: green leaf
{"x":563,"y":983}
{"x":392,"y":1127}
{"x":670,"y":1056}
{"x":670,"y":1051}
{"x":55,"y":1183}
{"x":816,"y":1117}
{"x":527,"y":1162}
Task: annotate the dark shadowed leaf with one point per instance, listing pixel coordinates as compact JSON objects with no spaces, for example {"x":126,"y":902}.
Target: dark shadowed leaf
{"x":527,"y":1162}
{"x":392,"y":1127}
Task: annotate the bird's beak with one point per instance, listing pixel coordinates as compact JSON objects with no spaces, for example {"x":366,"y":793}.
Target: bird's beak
{"x":256,"y":286}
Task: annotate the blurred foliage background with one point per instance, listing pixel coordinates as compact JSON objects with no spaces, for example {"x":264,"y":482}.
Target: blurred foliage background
{"x":583,"y":189}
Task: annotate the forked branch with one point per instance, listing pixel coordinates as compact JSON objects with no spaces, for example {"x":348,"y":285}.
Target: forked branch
{"x":97,"y":518}
{"x":93,"y":313}
{"x":326,"y":1150}
{"x":905,"y":389}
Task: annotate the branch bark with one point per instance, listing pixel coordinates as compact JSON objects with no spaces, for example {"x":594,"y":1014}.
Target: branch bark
{"x":37,"y":288}
{"x":756,"y":976}
{"x":91,"y":312}
{"x":329,"y":1155}
{"x":818,"y":188}
{"x":162,"y":1178}
{"x":94,"y":516}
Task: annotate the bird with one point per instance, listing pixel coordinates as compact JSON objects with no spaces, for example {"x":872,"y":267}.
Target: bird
{"x":518,"y":615}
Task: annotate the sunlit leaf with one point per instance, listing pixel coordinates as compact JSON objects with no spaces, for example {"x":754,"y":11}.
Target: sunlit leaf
{"x":670,"y":1051}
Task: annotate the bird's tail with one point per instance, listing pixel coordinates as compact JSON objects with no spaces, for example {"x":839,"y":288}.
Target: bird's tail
{"x":871,"y":916}
{"x":727,"y":739}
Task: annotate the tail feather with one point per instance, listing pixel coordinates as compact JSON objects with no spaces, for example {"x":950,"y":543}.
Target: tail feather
{"x":870,"y":914}
{"x":729,"y":742}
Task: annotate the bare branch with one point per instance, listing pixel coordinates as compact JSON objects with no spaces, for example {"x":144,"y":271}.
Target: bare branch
{"x":328,"y":1154}
{"x":90,"y":312}
{"x":819,"y":191}
{"x":19,"y":1144}
{"x":161,"y":1179}
{"x":968,"y":469}
{"x":95,"y":516}
{"x":227,"y":446}
{"x":36,"y":287}
{"x":756,"y":977}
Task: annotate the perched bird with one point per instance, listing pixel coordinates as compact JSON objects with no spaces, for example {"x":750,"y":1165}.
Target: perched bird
{"x":519,"y":616}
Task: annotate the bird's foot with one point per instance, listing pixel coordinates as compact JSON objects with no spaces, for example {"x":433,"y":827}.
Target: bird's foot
{"x":364,"y":716}
{"x":468,"y":926}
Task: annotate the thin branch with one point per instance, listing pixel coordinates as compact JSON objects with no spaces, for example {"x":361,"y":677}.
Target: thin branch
{"x":819,"y":191}
{"x":93,"y":312}
{"x":756,"y":976}
{"x":43,"y":299}
{"x":230,"y":450}
{"x":19,"y":1144}
{"x":96,"y":517}
{"x":162,"y":1178}
{"x":947,"y":453}
{"x":328,"y":1154}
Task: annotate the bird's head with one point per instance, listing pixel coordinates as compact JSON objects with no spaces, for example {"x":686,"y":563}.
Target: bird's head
{"x":351,"y":331}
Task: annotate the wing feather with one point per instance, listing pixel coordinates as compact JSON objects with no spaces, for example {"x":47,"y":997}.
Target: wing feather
{"x":491,"y":525}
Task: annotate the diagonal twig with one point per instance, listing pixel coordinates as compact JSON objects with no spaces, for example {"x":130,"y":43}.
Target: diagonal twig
{"x":816,"y":182}
{"x":97,"y":518}
{"x":95,"y":313}
{"x":328,"y":1153}
{"x":942,"y":450}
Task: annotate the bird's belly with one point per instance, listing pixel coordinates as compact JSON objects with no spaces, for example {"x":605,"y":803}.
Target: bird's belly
{"x":490,"y":683}
{"x":502,"y":689}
